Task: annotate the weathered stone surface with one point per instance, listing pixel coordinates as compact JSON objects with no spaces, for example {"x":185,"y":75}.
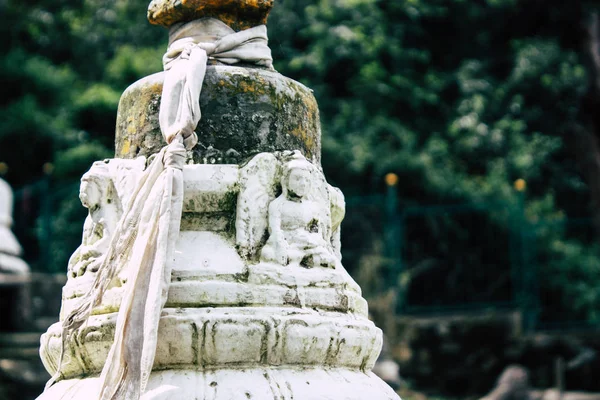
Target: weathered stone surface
{"x":229,"y":312}
{"x":240,"y":292}
{"x":238,"y":14}
{"x":212,"y":265}
{"x":245,"y":111}
{"x":203,"y":338}
{"x":241,"y":383}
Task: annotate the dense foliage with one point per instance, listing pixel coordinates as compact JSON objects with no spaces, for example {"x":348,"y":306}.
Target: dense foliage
{"x":459,"y":98}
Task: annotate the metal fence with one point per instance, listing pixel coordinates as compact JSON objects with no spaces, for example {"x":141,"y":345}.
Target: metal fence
{"x":465,"y":257}
{"x":476,"y":256}
{"x":438,"y":258}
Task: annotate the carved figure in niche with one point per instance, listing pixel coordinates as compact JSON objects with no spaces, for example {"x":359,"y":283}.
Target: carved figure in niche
{"x":98,"y":194}
{"x":299,"y":219}
{"x":104,"y":190}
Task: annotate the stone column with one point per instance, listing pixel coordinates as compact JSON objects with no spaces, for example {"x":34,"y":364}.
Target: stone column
{"x":259,"y":306}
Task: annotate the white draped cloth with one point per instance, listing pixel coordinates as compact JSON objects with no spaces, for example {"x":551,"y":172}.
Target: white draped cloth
{"x":144,"y":241}
{"x":190,"y":47}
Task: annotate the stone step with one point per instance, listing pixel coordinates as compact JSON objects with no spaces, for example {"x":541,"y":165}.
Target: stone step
{"x":20,"y":339}
{"x":19,"y":346}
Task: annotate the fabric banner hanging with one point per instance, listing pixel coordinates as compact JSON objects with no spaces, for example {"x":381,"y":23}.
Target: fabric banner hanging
{"x":144,"y":240}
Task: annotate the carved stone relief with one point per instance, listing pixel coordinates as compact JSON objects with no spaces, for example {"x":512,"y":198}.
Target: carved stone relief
{"x":273,"y":286}
{"x":286,"y":213}
{"x":285,"y":203}
{"x":105,"y":189}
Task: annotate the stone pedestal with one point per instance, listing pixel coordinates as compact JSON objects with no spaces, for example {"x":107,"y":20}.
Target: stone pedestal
{"x":259,"y":305}
{"x":234,"y":325}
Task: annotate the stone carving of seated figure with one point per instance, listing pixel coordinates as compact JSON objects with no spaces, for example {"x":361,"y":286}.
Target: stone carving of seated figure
{"x":98,"y":195}
{"x":105,"y":190}
{"x":299,"y":221}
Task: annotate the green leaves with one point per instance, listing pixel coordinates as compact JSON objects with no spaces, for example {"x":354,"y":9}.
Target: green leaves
{"x":458,"y":98}
{"x":64,"y":67}
{"x":130,"y":64}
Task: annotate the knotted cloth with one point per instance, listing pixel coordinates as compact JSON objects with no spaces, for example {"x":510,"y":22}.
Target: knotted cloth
{"x":144,"y":240}
{"x":190,"y":47}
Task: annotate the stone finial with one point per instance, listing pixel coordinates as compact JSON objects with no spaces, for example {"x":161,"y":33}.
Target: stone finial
{"x":238,"y":14}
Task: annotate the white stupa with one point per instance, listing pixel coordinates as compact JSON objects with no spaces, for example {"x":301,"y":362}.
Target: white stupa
{"x":10,"y":249}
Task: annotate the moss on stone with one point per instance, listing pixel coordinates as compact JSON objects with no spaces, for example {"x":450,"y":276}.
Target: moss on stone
{"x":245,"y":111}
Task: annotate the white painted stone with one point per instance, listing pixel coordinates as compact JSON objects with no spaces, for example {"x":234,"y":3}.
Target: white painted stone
{"x":206,"y":255}
{"x":209,"y":338}
{"x":210,"y":281}
{"x":207,"y":187}
{"x":10,"y":249}
{"x":243,"y":384}
{"x":237,"y":322}
{"x":105,"y":190}
{"x":302,"y":223}
{"x":300,"y":219}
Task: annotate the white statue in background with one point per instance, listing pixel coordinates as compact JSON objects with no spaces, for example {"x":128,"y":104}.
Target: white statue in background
{"x":10,"y":249}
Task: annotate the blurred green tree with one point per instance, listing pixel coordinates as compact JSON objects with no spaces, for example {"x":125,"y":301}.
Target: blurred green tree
{"x":459,"y":98}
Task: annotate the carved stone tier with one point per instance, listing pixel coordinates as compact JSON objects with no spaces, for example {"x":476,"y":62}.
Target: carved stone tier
{"x":208,"y":271}
{"x":196,"y":284}
{"x":245,"y":111}
{"x":241,"y":321}
{"x":242,"y":384}
{"x":208,"y":338}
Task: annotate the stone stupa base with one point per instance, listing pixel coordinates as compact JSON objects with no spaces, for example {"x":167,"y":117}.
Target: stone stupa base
{"x":242,"y":384}
{"x":259,"y":305}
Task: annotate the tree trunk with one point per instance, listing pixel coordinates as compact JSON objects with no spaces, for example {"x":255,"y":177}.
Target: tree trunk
{"x":587,"y":134}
